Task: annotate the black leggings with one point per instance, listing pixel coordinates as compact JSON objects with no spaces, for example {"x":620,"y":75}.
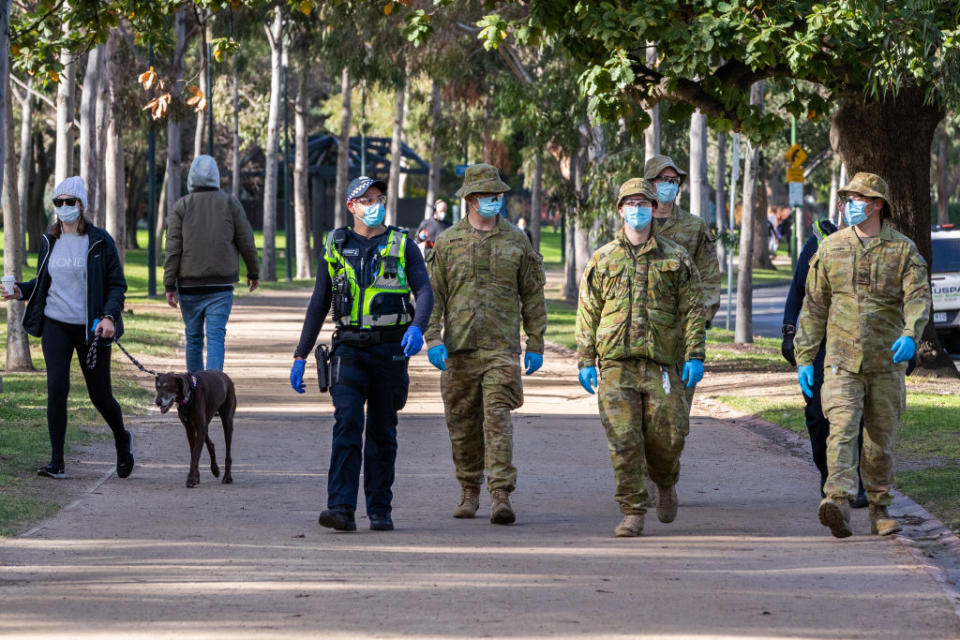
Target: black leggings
{"x":59,"y":341}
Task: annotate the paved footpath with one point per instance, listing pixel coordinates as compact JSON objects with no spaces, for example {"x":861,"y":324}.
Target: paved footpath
{"x":146,"y":557}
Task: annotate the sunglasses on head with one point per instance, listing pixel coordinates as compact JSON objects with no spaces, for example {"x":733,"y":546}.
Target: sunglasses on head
{"x":59,"y":202}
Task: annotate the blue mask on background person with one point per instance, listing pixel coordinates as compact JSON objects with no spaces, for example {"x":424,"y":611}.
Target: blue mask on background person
{"x":667,"y":191}
{"x":637,"y":217}
{"x":489,"y":207}
{"x":68,"y":213}
{"x":374,"y":214}
{"x":855,"y":212}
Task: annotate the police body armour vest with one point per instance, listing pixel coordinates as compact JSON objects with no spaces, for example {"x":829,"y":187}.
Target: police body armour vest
{"x":385,"y":302}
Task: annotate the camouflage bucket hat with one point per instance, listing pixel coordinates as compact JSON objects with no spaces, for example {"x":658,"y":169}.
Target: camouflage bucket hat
{"x":656,"y":164}
{"x":635,"y":186}
{"x":866,"y":184}
{"x":481,"y":178}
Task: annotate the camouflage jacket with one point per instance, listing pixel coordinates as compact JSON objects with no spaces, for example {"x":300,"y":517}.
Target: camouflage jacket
{"x":692,"y":233}
{"x":482,"y":284}
{"x":640,"y":302}
{"x":864,"y":297}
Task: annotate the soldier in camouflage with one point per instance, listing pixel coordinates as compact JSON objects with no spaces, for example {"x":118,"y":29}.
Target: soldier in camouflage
{"x":867,"y":291}
{"x":641,"y":316}
{"x":486,"y":277}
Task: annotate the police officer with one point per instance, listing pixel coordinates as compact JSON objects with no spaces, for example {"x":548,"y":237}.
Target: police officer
{"x":641,"y":316}
{"x":817,"y":424}
{"x":366,"y":273}
{"x":486,"y":277}
{"x":867,"y":291}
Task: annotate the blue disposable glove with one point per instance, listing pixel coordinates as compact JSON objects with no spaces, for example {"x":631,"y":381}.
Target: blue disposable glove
{"x":805,"y":376}
{"x":692,"y":373}
{"x":93,"y":329}
{"x":588,"y":378}
{"x":532,"y":361}
{"x":412,"y":341}
{"x":438,"y":357}
{"x":296,"y":376}
{"x":903,"y":349}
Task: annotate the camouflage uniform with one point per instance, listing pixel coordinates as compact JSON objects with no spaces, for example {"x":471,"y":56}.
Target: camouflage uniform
{"x":863,"y":295}
{"x":483,"y":283}
{"x":641,"y":315}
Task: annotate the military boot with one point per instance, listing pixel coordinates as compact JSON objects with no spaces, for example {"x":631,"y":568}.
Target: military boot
{"x":651,"y":493}
{"x":880,"y":521}
{"x":630,"y":527}
{"x":500,"y":510}
{"x":667,"y":504}
{"x":469,"y":503}
{"x":835,"y":513}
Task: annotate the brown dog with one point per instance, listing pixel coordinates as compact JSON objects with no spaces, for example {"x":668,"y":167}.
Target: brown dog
{"x":199,"y":397}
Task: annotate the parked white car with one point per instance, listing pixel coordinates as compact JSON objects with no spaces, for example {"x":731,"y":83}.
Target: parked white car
{"x":945,"y":279}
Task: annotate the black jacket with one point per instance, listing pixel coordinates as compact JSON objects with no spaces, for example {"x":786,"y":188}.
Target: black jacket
{"x":105,"y":283}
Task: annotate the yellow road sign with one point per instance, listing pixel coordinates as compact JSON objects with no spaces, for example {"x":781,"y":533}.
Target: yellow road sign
{"x":794,"y":174}
{"x":795,"y":155}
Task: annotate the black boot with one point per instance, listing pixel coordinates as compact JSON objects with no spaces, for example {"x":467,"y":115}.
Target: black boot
{"x":381,"y":522}
{"x":338,"y":517}
{"x":52,"y":470}
{"x":125,"y":456}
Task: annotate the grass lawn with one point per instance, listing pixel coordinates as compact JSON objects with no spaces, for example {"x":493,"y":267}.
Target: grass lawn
{"x":928,"y":443}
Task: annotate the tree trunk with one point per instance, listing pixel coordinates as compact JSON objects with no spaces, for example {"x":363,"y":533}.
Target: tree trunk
{"x":4,"y":75}
{"x":834,"y":186}
{"x":699,"y":191}
{"x":235,"y":181}
{"x":869,"y":136}
{"x":721,"y":198}
{"x":37,"y":213}
{"x":396,"y":153}
{"x":301,"y":179}
{"x":98,"y":203}
{"x":200,"y":129}
{"x":66,"y":91}
{"x":343,"y":153}
{"x":943,"y":182}
{"x":536,"y":199}
{"x":581,"y":246}
{"x":436,"y":164}
{"x":89,"y":162}
{"x":172,"y":175}
{"x":135,"y":192}
{"x":744,"y":327}
{"x":26,"y":161}
{"x":651,"y":137}
{"x":275,"y":36}
{"x":115,"y":178}
{"x":761,"y":237}
{"x":571,"y":287}
{"x":159,"y":224}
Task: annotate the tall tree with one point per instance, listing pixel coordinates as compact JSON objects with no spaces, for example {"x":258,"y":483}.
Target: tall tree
{"x":275,"y":38}
{"x":66,"y":93}
{"x":26,"y":159}
{"x":651,"y":135}
{"x":343,"y":151}
{"x":173,"y":172}
{"x":235,"y":159}
{"x":721,"y":197}
{"x":104,"y":112}
{"x":744,"y":327}
{"x":699,"y":187}
{"x":4,"y":73}
{"x":114,"y":171}
{"x":89,"y":161}
{"x":301,"y":177}
{"x":436,"y":158}
{"x":536,"y":198}
{"x":396,"y":152}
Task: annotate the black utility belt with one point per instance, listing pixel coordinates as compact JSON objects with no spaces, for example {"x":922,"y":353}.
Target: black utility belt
{"x":369,"y":337}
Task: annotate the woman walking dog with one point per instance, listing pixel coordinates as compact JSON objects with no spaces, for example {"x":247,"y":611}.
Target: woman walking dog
{"x":78,"y":292}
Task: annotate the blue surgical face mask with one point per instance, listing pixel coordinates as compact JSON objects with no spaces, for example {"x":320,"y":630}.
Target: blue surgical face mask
{"x":637,"y":217}
{"x":68,"y":213}
{"x":374,"y":214}
{"x":667,"y":191}
{"x":855,"y":212}
{"x":489,"y":207}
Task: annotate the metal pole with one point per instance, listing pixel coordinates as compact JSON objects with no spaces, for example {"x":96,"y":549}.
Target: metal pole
{"x":286,"y":174}
{"x":151,"y":205}
{"x":734,"y":177}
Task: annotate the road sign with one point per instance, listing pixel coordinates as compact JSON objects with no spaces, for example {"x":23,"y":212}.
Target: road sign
{"x":796,"y":194}
{"x":794,"y":174}
{"x":461,"y":169}
{"x":795,"y":155}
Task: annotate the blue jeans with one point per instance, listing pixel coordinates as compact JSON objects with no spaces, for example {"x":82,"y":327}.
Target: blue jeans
{"x":214,"y":310}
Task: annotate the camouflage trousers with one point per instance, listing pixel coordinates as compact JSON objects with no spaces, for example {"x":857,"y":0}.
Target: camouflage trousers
{"x":880,"y":398}
{"x":647,"y":422}
{"x":479,"y":390}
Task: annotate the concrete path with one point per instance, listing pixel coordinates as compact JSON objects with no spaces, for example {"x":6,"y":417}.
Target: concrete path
{"x":146,"y":557}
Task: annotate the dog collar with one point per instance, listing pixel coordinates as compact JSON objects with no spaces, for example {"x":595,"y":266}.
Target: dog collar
{"x":193,"y":385}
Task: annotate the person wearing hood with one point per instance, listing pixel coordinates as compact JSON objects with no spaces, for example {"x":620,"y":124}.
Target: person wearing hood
{"x":206,"y":233}
{"x":77,"y":295}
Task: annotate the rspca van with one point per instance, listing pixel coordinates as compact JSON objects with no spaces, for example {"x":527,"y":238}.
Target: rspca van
{"x":945,"y":281}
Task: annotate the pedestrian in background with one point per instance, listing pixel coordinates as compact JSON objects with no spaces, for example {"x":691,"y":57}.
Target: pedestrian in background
{"x":77,"y":294}
{"x":640,"y":318}
{"x":867,"y":292}
{"x":431,"y":228}
{"x":817,"y":424}
{"x":207,"y":232}
{"x":486,"y":277}
{"x":366,"y":273}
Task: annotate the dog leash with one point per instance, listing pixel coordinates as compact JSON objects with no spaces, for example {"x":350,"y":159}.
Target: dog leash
{"x":92,"y":355}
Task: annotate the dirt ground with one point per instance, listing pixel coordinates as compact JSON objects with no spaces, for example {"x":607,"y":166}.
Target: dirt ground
{"x":147,"y":558}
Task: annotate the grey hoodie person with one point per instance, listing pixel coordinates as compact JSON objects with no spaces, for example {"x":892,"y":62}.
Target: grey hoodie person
{"x":207,"y":232}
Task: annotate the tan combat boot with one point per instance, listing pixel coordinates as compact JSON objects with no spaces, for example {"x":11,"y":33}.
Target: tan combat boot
{"x":500,"y":510}
{"x":667,"y":504}
{"x":835,"y":513}
{"x":880,"y":521}
{"x":469,"y":503}
{"x":630,"y":527}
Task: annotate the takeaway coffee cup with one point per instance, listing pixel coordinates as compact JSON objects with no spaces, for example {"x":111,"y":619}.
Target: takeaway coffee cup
{"x":8,"y":282}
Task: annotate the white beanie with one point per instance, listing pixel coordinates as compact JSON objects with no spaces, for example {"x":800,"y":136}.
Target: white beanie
{"x":72,"y":187}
